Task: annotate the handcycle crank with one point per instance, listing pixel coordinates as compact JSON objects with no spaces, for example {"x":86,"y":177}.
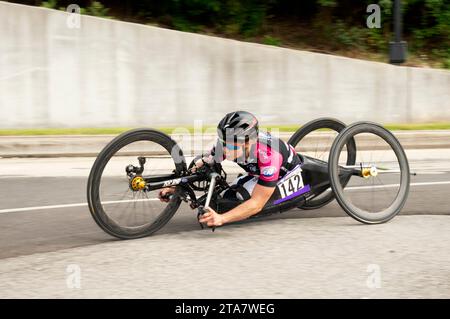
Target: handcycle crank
{"x":203,"y":209}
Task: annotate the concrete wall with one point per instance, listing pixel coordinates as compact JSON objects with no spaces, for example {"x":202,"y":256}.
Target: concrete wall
{"x":111,"y":73}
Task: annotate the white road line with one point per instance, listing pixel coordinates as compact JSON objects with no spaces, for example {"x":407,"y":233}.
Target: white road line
{"x":25,"y":209}
{"x":396,"y":185}
{"x":352,"y":188}
{"x":16,"y":210}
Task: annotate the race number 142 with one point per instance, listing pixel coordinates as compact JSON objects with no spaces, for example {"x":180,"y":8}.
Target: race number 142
{"x":292,"y":184}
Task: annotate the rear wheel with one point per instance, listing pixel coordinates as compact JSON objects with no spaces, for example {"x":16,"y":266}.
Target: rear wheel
{"x":116,"y":201}
{"x":315,"y":139}
{"x":381,"y":191}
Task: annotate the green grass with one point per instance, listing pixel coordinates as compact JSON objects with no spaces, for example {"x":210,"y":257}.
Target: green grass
{"x":62,"y":131}
{"x":412,"y":127}
{"x":389,"y":126}
{"x":269,"y":40}
{"x":169,"y":130}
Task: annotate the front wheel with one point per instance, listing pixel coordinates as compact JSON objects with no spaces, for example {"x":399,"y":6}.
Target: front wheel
{"x":117,"y":198}
{"x":380,"y":179}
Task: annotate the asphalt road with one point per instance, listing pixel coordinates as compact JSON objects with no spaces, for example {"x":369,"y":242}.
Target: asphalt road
{"x":41,"y":234}
{"x":44,"y":230}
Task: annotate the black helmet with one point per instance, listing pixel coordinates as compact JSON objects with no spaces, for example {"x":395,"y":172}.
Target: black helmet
{"x":237,"y":126}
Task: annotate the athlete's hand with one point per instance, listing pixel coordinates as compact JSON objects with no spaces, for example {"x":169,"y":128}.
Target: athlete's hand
{"x":211,"y":218}
{"x":165,"y":193}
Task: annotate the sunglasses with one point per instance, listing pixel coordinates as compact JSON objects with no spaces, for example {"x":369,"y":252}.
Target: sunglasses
{"x":232,"y":147}
{"x":228,"y":146}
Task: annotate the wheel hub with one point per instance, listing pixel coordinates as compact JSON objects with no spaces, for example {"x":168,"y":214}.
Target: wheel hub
{"x":369,"y":172}
{"x":138,"y":183}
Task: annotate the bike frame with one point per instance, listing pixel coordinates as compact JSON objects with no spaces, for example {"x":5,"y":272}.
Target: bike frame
{"x":314,"y":173}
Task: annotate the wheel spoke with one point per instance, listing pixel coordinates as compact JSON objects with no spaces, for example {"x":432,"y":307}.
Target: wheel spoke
{"x":364,"y":202}
{"x":130,"y":213}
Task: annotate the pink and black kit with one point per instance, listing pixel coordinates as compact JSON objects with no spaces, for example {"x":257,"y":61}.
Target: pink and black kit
{"x":269,"y":160}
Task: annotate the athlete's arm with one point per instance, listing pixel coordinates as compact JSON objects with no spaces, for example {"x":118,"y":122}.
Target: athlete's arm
{"x":254,"y":205}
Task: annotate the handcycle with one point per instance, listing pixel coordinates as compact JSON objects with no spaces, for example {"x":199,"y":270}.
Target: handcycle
{"x":363,"y":166}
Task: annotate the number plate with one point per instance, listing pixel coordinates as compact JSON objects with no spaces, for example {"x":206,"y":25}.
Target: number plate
{"x":291,"y":185}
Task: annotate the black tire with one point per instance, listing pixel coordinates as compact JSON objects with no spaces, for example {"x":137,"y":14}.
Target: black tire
{"x":93,"y":195}
{"x":322,"y":123}
{"x":360,"y":214}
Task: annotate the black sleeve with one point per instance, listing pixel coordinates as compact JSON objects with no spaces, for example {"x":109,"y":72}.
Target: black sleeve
{"x":267,"y":183}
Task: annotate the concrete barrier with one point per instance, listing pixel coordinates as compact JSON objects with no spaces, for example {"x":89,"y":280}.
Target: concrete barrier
{"x":112,"y":73}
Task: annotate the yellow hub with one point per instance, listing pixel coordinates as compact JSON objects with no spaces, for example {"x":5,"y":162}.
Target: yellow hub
{"x":369,"y":172}
{"x":138,"y":183}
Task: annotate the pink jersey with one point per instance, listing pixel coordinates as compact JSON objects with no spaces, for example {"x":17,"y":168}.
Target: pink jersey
{"x":270,"y":158}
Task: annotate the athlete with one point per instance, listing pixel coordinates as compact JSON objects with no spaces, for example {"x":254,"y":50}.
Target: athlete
{"x":265,"y":158}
